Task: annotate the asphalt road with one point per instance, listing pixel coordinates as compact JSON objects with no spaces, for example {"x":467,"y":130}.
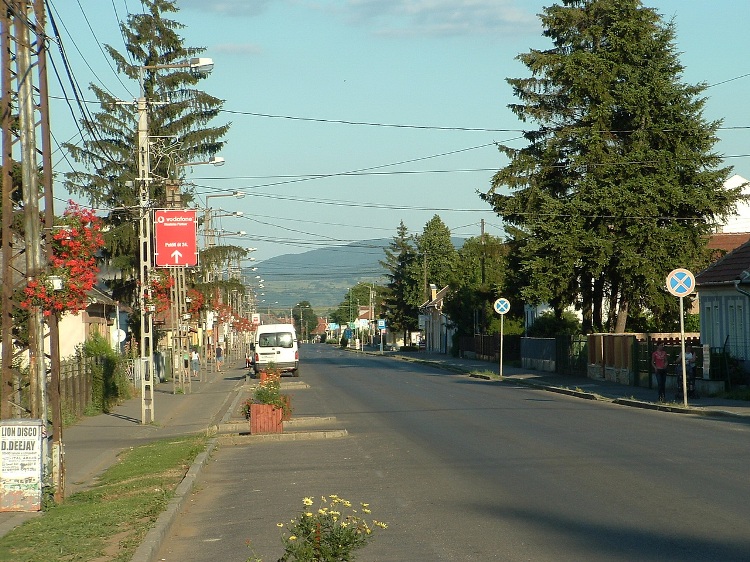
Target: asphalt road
{"x":469,"y":470}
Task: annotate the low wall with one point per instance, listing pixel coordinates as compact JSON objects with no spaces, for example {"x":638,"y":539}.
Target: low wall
{"x":546,"y":365}
{"x":704,"y":387}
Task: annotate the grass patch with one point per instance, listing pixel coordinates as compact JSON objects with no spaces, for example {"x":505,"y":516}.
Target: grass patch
{"x":737,"y":394}
{"x":492,"y":375}
{"x":109,"y":520}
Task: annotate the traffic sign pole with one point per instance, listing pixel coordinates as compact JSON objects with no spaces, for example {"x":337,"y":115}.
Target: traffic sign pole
{"x":682,"y":354}
{"x":500,"y":367}
{"x":680,"y":283}
{"x":501,"y":306}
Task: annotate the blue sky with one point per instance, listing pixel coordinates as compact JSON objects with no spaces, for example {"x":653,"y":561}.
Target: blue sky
{"x":349,"y":116}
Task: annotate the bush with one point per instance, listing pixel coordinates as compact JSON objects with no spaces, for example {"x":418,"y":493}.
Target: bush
{"x":110,"y":384}
{"x":548,"y":325}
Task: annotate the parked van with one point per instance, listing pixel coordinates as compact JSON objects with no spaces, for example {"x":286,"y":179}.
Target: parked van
{"x":276,"y":344}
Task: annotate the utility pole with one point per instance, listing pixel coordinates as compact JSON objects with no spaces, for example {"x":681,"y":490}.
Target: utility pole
{"x":24,"y":247}
{"x":145,"y":252}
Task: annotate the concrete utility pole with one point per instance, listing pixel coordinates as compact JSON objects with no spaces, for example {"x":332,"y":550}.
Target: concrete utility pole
{"x":145,"y":251}
{"x":24,"y":256}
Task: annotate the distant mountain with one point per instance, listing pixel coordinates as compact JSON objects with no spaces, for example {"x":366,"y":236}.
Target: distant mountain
{"x":322,"y":276}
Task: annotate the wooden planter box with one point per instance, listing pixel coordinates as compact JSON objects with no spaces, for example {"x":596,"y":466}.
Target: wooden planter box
{"x":264,"y":418}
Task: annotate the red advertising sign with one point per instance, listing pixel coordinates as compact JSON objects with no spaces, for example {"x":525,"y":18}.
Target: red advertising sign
{"x":175,"y":238}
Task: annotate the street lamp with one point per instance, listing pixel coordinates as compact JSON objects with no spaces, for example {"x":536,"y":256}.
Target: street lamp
{"x":213,"y":160}
{"x":144,"y":233}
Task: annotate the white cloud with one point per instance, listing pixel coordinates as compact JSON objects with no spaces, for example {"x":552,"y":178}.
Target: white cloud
{"x":399,"y":17}
{"x":234,"y":8}
{"x":440,"y":17}
{"x":237,"y":48}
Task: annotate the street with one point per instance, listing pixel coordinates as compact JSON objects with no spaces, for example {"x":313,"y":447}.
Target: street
{"x":466,"y":469}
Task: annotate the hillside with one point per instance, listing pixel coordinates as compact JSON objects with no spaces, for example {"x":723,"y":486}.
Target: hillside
{"x":322,"y":276}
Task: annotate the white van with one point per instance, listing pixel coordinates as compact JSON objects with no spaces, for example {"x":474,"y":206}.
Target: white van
{"x":276,"y":344}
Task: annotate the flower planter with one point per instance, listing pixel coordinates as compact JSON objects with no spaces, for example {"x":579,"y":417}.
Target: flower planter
{"x":264,"y":418}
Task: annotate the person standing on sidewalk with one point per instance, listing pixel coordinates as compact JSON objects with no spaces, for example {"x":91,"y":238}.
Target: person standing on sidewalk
{"x":195,"y":361}
{"x":219,"y":357}
{"x":660,"y":361}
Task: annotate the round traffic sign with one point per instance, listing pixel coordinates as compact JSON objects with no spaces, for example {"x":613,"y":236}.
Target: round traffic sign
{"x":680,"y":282}
{"x":501,"y":306}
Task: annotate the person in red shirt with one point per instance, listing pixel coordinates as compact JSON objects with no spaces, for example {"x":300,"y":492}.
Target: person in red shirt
{"x":660,"y":361}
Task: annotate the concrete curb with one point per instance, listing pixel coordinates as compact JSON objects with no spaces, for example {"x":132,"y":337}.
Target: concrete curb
{"x":246,"y":438}
{"x":149,"y":548}
{"x":630,"y":402}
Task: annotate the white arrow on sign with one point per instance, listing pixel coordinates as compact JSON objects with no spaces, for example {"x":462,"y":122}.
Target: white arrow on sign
{"x":176,"y":255}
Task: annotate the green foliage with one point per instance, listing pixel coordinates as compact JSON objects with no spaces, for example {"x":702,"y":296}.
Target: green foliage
{"x":305,"y":319}
{"x":549,"y":325}
{"x":619,"y":182}
{"x":107,"y":157}
{"x":269,"y":392}
{"x":436,"y":253}
{"x":479,"y":279}
{"x":110,"y":383}
{"x":405,"y":288}
{"x":692,"y":323}
{"x":359,"y":295}
{"x":329,"y":534}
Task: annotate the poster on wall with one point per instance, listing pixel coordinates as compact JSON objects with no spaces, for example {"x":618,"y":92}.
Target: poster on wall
{"x":21,"y":465}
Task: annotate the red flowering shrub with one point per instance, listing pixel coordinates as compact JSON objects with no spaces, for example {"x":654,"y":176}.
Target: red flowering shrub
{"x":197,"y":300}
{"x":161,"y":284}
{"x":242,"y":325}
{"x":223,"y":312}
{"x":72,"y":259}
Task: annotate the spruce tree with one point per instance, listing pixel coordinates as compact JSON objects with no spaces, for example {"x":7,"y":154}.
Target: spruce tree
{"x":436,"y":252}
{"x":179,"y":123}
{"x":618,"y":183}
{"x":404,"y":283}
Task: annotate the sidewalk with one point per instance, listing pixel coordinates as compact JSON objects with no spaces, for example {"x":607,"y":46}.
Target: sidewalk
{"x":584,"y":387}
{"x":92,"y":445}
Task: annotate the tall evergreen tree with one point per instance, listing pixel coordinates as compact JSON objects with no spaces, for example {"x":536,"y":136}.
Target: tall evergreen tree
{"x":436,"y":252}
{"x":179,"y":117}
{"x":619,"y":183}
{"x":404,"y":283}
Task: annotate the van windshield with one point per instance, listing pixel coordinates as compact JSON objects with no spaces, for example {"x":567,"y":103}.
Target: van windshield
{"x":276,"y":339}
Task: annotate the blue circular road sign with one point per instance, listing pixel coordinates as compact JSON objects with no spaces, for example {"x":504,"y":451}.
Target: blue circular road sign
{"x":501,"y":306}
{"x":680,"y":282}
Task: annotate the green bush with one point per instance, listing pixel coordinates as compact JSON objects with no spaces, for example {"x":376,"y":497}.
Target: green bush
{"x":110,"y":383}
{"x":549,"y":326}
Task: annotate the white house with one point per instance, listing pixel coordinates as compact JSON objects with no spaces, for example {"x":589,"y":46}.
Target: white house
{"x":740,"y":222}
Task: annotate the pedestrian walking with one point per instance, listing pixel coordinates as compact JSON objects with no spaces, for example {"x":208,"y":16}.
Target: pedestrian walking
{"x":185,"y":361}
{"x":219,"y":357}
{"x":660,"y":362}
{"x":195,"y":362}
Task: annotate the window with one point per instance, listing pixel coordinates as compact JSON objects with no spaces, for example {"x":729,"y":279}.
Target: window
{"x":276,"y":339}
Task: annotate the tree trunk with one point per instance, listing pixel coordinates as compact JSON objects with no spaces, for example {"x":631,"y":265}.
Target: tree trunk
{"x":622,"y":316}
{"x":598,"y":300}
{"x":587,"y":296}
